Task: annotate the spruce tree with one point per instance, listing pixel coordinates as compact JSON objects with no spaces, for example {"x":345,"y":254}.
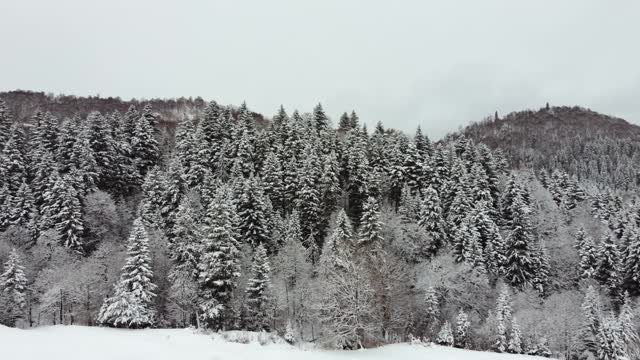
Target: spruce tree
{"x":219,"y":261}
{"x":371,"y":227}
{"x":608,"y":265}
{"x":132,"y":304}
{"x":431,"y":219}
{"x":339,"y":246}
{"x":273,"y":180}
{"x":445,"y":336}
{"x":587,"y":253}
{"x":13,"y":160}
{"x":308,"y":195}
{"x":184,"y":242}
{"x":462,"y":330}
{"x":13,"y":289}
{"x":520,"y":265}
{"x":144,"y":146}
{"x":515,"y":341}
{"x":258,"y":289}
{"x":5,"y":123}
{"x":630,"y":263}
{"x":253,"y":214}
{"x":503,"y":316}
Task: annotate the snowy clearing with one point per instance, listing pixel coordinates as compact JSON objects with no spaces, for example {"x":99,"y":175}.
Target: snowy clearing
{"x":82,"y":343}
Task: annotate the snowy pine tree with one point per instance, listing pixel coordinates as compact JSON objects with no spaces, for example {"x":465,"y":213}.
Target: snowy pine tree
{"x":219,"y":260}
{"x":445,"y":336}
{"x":13,"y":290}
{"x":431,"y":219}
{"x":131,"y":305}
{"x":258,"y":288}
{"x":461,"y":335}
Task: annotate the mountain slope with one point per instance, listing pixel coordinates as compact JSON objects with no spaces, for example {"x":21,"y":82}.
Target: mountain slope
{"x":597,"y":148}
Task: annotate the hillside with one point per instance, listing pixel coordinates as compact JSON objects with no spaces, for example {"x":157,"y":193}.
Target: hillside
{"x":24,"y":104}
{"x":596,"y":148}
{"x":168,"y":344}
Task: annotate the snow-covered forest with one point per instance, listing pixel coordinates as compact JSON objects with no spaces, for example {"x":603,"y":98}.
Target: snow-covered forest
{"x":316,"y":229}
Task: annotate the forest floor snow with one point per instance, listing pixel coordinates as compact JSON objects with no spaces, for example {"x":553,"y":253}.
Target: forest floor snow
{"x":94,"y":343}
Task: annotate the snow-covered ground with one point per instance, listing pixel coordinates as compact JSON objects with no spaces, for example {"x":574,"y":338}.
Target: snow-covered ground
{"x":91,"y":343}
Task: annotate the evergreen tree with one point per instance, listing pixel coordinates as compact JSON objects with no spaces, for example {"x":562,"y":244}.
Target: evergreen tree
{"x":445,"y":336}
{"x":131,"y":305}
{"x":273,"y":180}
{"x":68,"y":221}
{"x":520,"y":265}
{"x":431,"y":219}
{"x":608,"y":265}
{"x":339,"y":246}
{"x":630,"y":264}
{"x":371,"y":227}
{"x":184,"y":242}
{"x":308,"y":196}
{"x":515,"y":341}
{"x":344,"y":123}
{"x":5,"y":123}
{"x":503,"y":316}
{"x":587,"y":253}
{"x":462,"y":330}
{"x":13,"y":161}
{"x":258,"y":291}
{"x":144,"y":146}
{"x":252,"y":213}
{"x":20,"y":208}
{"x":219,"y":262}
{"x":13,"y":289}
{"x":320,"y":119}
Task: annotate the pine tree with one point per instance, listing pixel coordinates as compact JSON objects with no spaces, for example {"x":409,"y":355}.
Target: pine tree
{"x":626,"y":320}
{"x":252,"y":213}
{"x":431,"y":219}
{"x":520,"y":265}
{"x":608,"y":266}
{"x":503,"y":316}
{"x":289,"y":335}
{"x":46,"y":132}
{"x":131,"y":305}
{"x":339,"y":246}
{"x":515,"y":341}
{"x":257,"y":291}
{"x":490,"y":240}
{"x":273,"y":180}
{"x":413,"y":169}
{"x":308,"y":196}
{"x":20,"y":208}
{"x":344,"y":123}
{"x":630,"y":264}
{"x":69,"y":222}
{"x":144,"y":146}
{"x":462,"y":330}
{"x":13,"y":161}
{"x":432,"y":308}
{"x":219,"y":262}
{"x":587,"y":253}
{"x":371,"y":227}
{"x":320,"y":119}
{"x":5,"y":123}
{"x":184,"y":243}
{"x":610,"y":341}
{"x":13,"y":289}
{"x":445,"y":336}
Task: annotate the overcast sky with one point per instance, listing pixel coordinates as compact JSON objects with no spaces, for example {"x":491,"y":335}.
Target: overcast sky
{"x":438,"y":64}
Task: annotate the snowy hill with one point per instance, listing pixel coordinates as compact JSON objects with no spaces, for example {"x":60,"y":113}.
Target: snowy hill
{"x":81,"y":343}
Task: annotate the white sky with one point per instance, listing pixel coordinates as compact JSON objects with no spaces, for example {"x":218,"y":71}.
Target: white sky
{"x":439,"y":64}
